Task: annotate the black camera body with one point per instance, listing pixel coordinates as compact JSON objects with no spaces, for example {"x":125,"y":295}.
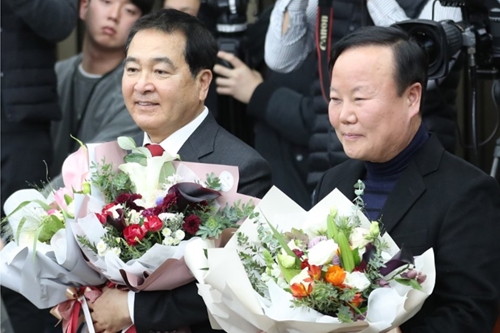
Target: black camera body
{"x":479,"y":33}
{"x":231,"y":25}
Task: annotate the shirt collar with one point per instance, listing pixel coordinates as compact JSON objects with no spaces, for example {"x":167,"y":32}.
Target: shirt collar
{"x":174,"y":142}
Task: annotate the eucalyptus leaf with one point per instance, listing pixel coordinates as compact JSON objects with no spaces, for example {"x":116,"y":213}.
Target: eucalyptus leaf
{"x":126,"y":143}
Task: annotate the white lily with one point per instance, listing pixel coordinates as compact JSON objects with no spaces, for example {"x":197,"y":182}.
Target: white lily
{"x":146,"y":179}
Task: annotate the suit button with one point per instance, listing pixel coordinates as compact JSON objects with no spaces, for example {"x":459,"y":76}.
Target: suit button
{"x":299,"y":157}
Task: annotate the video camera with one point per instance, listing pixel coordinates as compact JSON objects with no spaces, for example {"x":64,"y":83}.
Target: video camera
{"x":231,"y":24}
{"x":479,"y":33}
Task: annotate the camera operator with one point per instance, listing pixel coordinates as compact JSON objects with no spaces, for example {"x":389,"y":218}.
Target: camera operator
{"x":291,"y":37}
{"x":279,"y":104}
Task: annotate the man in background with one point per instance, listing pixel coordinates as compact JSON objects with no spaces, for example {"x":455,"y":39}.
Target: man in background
{"x":89,"y":84}
{"x":30,"y":31}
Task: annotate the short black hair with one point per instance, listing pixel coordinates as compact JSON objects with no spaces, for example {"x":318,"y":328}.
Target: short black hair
{"x":411,"y":61}
{"x":201,"y":48}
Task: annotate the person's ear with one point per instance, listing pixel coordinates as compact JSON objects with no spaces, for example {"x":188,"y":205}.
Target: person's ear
{"x":414,"y":98}
{"x":84,"y":6}
{"x":203,"y":79}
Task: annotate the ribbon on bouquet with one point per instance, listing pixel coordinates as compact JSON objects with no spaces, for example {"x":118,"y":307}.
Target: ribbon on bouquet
{"x":69,"y":311}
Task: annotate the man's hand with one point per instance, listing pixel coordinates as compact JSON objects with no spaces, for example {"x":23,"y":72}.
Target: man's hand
{"x":239,"y":82}
{"x":110,"y":311}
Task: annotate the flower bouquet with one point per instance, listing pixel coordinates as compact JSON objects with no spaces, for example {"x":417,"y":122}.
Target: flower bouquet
{"x":152,"y":208}
{"x":44,"y":258}
{"x":326,"y":270}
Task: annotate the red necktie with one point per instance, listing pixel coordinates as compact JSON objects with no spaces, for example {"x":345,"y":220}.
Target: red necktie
{"x":155,"y":149}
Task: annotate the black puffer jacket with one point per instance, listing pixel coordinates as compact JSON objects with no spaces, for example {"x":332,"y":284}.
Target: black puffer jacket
{"x":29,"y":37}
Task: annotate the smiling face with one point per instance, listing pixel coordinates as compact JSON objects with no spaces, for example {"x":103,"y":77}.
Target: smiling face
{"x":372,"y":122}
{"x":158,"y":88}
{"x":108,"y":22}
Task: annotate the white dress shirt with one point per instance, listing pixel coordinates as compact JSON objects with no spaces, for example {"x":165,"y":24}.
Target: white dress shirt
{"x":171,"y":145}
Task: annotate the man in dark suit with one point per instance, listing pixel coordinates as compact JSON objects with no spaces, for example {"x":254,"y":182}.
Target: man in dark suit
{"x":170,"y":55}
{"x":424,"y":196}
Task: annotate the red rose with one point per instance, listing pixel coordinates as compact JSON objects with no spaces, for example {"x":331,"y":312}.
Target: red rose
{"x":191,"y":224}
{"x":101,"y":217}
{"x":133,"y":234}
{"x":153,"y":223}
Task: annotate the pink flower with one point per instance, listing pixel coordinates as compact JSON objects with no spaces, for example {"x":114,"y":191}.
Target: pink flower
{"x":59,"y":199}
{"x":133,"y":234}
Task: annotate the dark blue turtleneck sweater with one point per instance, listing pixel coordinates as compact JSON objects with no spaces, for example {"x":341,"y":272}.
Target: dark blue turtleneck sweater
{"x":381,"y":178}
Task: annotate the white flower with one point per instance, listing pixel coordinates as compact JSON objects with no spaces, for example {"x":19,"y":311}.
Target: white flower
{"x":165,"y":217}
{"x":134,"y":217}
{"x":322,"y":253}
{"x":174,"y":179}
{"x":315,"y":228}
{"x":58,"y":214}
{"x":299,"y":278}
{"x":114,"y":209}
{"x":166,"y":232}
{"x":115,"y":250}
{"x":168,"y":241}
{"x":275,"y":271}
{"x":146,"y":179}
{"x":101,"y":248}
{"x":179,"y":235}
{"x":292,"y":245}
{"x":358,"y":238}
{"x":357,"y":280}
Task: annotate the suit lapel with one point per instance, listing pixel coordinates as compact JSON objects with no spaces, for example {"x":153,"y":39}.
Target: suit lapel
{"x":201,"y":142}
{"x":346,"y":183}
{"x":411,"y":185}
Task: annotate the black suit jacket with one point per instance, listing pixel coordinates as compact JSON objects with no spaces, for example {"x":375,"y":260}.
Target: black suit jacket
{"x":209,"y":143}
{"x":442,"y":202}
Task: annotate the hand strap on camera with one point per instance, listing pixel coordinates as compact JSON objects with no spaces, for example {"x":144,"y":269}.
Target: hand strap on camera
{"x":323,"y":36}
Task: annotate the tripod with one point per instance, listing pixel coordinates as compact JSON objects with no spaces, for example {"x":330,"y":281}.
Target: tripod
{"x":496,"y":157}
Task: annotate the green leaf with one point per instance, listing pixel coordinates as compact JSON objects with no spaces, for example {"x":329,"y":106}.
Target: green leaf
{"x":345,"y":252}
{"x":404,"y":282}
{"x":415,"y":285}
{"x":135,"y":158}
{"x":288,"y":273}
{"x":126,"y":143}
{"x":49,"y":227}
{"x":20,"y":227}
{"x":67,"y":199}
{"x":331,"y":227}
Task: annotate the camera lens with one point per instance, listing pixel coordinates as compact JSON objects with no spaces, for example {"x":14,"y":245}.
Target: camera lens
{"x":428,"y":44}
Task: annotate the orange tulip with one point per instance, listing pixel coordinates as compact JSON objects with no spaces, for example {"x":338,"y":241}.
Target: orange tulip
{"x":299,"y":289}
{"x":315,"y":272}
{"x":357,"y":300}
{"x":335,"y":275}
